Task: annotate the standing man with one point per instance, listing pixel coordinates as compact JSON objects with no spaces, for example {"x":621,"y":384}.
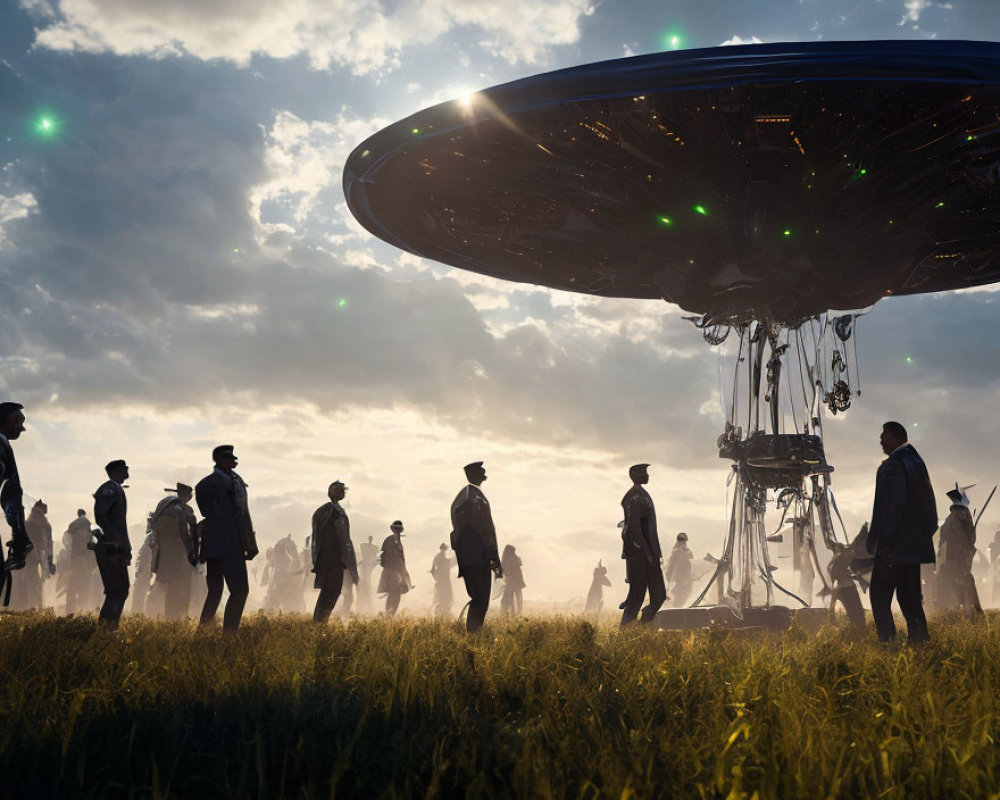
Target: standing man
{"x":641,"y":550}
{"x":955,"y":583}
{"x":332,"y":551}
{"x":113,"y":550}
{"x":11,"y":496}
{"x":229,"y":539}
{"x":904,"y":519}
{"x":173,"y":525}
{"x":28,"y":584}
{"x":441,"y":568}
{"x":79,"y":578}
{"x":474,"y":540}
{"x":395,"y":578}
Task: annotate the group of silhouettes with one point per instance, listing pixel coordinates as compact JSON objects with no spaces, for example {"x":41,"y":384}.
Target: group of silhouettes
{"x":898,"y":542}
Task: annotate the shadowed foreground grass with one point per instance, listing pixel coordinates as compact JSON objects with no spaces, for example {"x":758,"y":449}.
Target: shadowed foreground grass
{"x":533,"y":708}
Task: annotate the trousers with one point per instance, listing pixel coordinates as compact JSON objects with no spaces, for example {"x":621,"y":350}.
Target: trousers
{"x":903,"y":580}
{"x":114,"y":576}
{"x":232,"y":570}
{"x":478,"y":582}
{"x":328,"y":596}
{"x":643,"y":576}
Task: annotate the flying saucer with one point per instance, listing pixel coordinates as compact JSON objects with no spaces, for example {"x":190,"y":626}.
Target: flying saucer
{"x":756,"y":182}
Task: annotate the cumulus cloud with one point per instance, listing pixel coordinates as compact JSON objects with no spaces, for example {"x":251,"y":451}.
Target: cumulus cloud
{"x":741,"y":40}
{"x":361,"y":36}
{"x":14,"y":207}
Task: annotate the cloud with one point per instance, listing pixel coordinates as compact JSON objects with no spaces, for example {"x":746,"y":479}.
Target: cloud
{"x":14,"y":207}
{"x":741,"y":40}
{"x":913,"y":10}
{"x":364,"y":37}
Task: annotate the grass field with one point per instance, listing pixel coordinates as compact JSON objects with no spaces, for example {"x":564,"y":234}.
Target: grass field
{"x":532,"y":708}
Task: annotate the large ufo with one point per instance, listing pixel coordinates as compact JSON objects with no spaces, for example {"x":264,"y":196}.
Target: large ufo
{"x":765,"y":182}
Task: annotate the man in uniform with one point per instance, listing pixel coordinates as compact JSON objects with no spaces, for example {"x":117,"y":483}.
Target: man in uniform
{"x":332,"y":551}
{"x":474,"y":540}
{"x":11,"y":495}
{"x":229,"y":540}
{"x":172,"y":525}
{"x":80,"y":575}
{"x":113,"y":549}
{"x":904,"y":520}
{"x":641,"y":550}
{"x":956,"y":550}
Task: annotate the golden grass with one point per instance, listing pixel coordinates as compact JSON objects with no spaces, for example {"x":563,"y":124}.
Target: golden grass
{"x":547,"y":708}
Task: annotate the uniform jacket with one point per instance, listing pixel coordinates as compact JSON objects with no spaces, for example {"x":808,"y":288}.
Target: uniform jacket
{"x":228,"y":530}
{"x":904,"y":517}
{"x":395,"y":578}
{"x":332,"y":549}
{"x":172,"y":525}
{"x":110,"y":507}
{"x":640,"y":524}
{"x":473,"y":537}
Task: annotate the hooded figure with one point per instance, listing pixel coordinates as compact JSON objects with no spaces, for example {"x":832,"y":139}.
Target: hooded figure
{"x":172,"y":526}
{"x":956,"y":551}
{"x":27,"y":583}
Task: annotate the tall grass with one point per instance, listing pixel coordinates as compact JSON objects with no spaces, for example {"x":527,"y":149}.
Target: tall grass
{"x":547,"y":708}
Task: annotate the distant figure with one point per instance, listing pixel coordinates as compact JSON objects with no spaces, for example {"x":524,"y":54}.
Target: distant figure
{"x":113,"y":549}
{"x":11,"y":495}
{"x":28,"y":583}
{"x":283,"y":577}
{"x":395,"y":580}
{"x":474,"y":540}
{"x":843,"y":576}
{"x":511,"y":601}
{"x":802,"y":539}
{"x":332,"y":551}
{"x":641,"y":550}
{"x":142,"y":574}
{"x":904,"y":520}
{"x":228,"y":539}
{"x":678,"y":573}
{"x":595,"y":597}
{"x":441,"y":569}
{"x":955,"y":584}
{"x":80,"y":576}
{"x":173,"y":528}
{"x":369,"y":560}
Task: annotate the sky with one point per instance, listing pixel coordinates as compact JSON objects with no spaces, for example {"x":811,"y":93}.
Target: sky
{"x":178,"y":269}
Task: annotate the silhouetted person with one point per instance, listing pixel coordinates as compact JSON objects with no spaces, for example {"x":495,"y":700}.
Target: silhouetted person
{"x":441,"y":568}
{"x":369,"y":560}
{"x":956,"y":587}
{"x":28,"y":583}
{"x":142,"y":574}
{"x":395,"y":579}
{"x":641,"y":550}
{"x":113,"y":549}
{"x":332,"y":551}
{"x":842,"y":576}
{"x":173,"y":525}
{"x":511,"y":601}
{"x":595,"y":597}
{"x":11,"y":494}
{"x":474,"y":540}
{"x":80,"y":575}
{"x":678,"y":572}
{"x":904,"y":520}
{"x":228,"y":539}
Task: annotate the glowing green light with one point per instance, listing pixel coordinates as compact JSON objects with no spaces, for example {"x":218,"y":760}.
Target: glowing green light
{"x":940,"y":205}
{"x":969,"y":138}
{"x":366,"y":153}
{"x":342,"y":302}
{"x":701,"y":210}
{"x":787,"y":232}
{"x":673,"y":39}
{"x":862,"y":171}
{"x":909,"y":360}
{"x":46,"y":126}
{"x":667,"y":221}
{"x":416,"y":131}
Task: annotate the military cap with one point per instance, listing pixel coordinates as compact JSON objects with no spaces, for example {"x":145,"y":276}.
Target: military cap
{"x":396,"y":524}
{"x":222,"y":450}
{"x":473,"y":468}
{"x":8,"y":408}
{"x":118,"y":463}
{"x":181,"y":488}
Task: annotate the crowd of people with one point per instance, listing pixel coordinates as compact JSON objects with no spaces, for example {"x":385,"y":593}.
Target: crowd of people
{"x":183,"y":563}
